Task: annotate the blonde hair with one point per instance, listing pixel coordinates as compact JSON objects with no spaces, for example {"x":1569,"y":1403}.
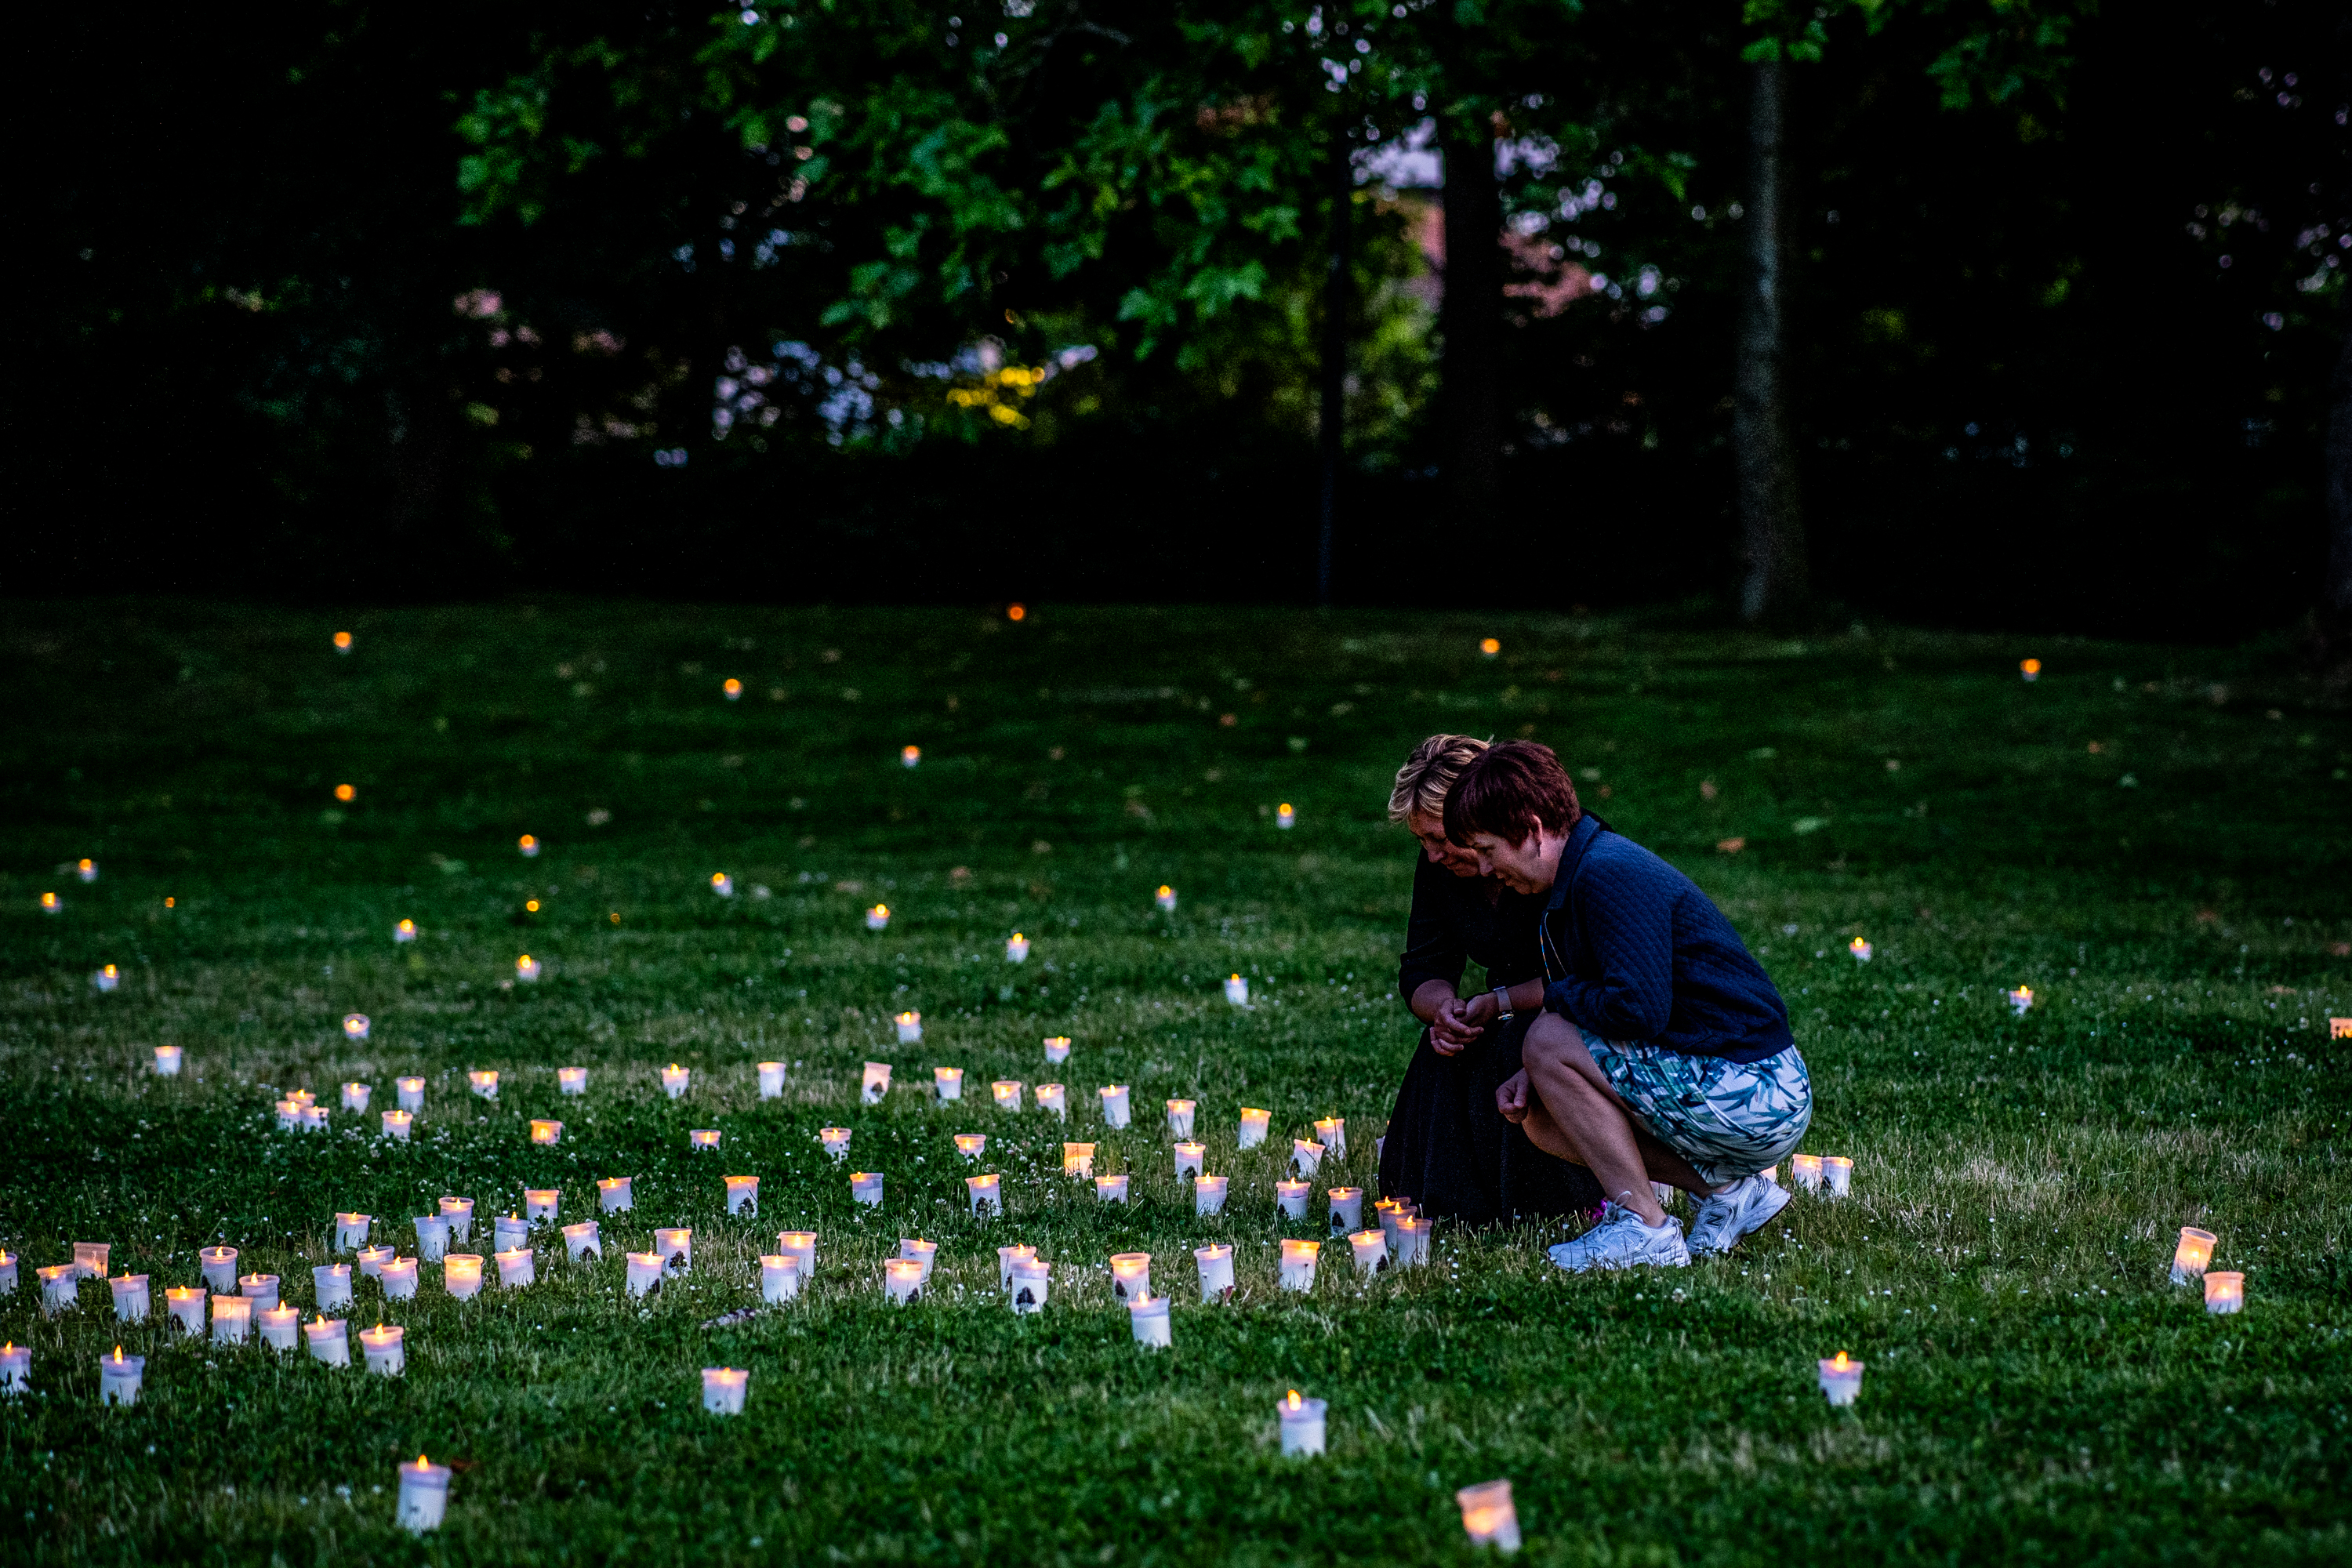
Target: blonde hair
{"x":1428,"y":775}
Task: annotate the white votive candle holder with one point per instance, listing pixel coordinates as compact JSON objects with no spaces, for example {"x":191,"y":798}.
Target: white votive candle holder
{"x":119,"y":1377}
{"x":1290,"y":1198}
{"x":432,"y":1236}
{"x":1130,"y":1274}
{"x":742,"y":1195}
{"x":780,"y":1277}
{"x":1837,"y":1175}
{"x":459,"y":1213}
{"x":356,"y":1096}
{"x":1031,"y":1281}
{"x":1237,"y":990}
{"x":1077,"y":1159}
{"x":1840,"y":1378}
{"x":384,"y":1348}
{"x":1006,"y":1093}
{"x":1179,"y":1118}
{"x":541,"y":1205}
{"x":372,"y":1260}
{"x":801,"y":1246}
{"x":874,"y":1084}
{"x":312,"y":1118}
{"x":1306,"y":1156}
{"x":1302,"y":1423}
{"x":423,"y":1489}
{"x":674,"y":1080}
{"x":902,"y":1278}
{"x":1053,"y":1100}
{"x":397,"y":1125}
{"x":1209,"y":1194}
{"x":1488,"y":1516}
{"x":1299,"y":1259}
{"x":461,"y":1275}
{"x":1110,"y":1189}
{"x":2225,"y":1290}
{"x":484,"y":1081}
{"x":351,"y":1231}
{"x":947,"y":1084}
{"x":836,"y":1140}
{"x":1114,"y":1104}
{"x":408,"y":1093}
{"x":1057,"y":1050}
{"x":280,"y":1327}
{"x":526,"y":971}
{"x":971,"y":1145}
{"x":645,"y":1272}
{"x":185,"y":1304}
{"x":546,"y":1132}
{"x":516,"y":1268}
{"x":16,"y":1369}
{"x":987,"y":1194}
{"x":1346,"y":1209}
{"x":723,"y":1388}
{"x":583,"y":1240}
{"x":1332,"y":1131}
{"x":262,"y":1287}
{"x":90,"y":1258}
{"x":1006,"y":1256}
{"x":923,"y":1252}
{"x":397,"y":1279}
{"x":131,"y":1298}
{"x":879,"y":918}
{"x":1189,"y":1158}
{"x":1016,"y":949}
{"x":1253,"y":1129}
{"x":865,"y":1187}
{"x":674,"y":1246}
{"x":168,"y":1059}
{"x":910,"y":1028}
{"x":1371,"y":1250}
{"x":1806,"y":1170}
{"x":702,"y":1138}
{"x":331,"y":1285}
{"x":617,"y":1195}
{"x":571,"y":1080}
{"x":232,"y":1320}
{"x":1215,"y":1262}
{"x":772,"y":1080}
{"x":7,"y":1272}
{"x":1148,"y":1319}
{"x":507,"y":1232}
{"x":2190,"y":1257}
{"x":328,"y":1340}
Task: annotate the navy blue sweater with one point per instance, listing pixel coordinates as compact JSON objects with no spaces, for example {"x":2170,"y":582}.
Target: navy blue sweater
{"x":1634,"y":953}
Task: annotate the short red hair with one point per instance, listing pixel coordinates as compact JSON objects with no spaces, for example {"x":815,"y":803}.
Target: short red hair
{"x":1508,"y":791}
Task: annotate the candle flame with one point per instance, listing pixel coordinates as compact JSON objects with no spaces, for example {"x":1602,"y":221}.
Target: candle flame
{"x":1490,"y":645}
{"x":1016,"y":612}
{"x":1237,"y":976}
{"x":345,"y":793}
{"x":525,"y":842}
{"x":1283,"y":808}
{"x":2029,"y":666}
{"x":118,"y":1352}
{"x":1295,"y":1402}
{"x":420,"y":1458}
{"x":879,"y":910}
{"x":343,"y":639}
{"x":1841,"y":1363}
{"x":734,"y":687}
{"x":1857,"y":945}
{"x":1018,"y":937}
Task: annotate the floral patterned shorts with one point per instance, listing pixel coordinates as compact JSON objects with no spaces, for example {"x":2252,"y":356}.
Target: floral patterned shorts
{"x":1728,"y":1118}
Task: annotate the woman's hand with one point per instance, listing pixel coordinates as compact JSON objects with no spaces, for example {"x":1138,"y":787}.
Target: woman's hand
{"x":1451,"y":1029}
{"x":1511,"y":1099}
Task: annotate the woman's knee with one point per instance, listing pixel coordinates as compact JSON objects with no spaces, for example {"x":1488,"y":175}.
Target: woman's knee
{"x":1553,"y":1040}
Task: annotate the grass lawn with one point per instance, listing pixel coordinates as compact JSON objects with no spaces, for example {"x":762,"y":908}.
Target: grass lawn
{"x":2155,"y":840}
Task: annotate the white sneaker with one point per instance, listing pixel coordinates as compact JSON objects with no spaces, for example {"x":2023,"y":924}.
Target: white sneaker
{"x":1740,"y":1209}
{"x":1621,"y":1241}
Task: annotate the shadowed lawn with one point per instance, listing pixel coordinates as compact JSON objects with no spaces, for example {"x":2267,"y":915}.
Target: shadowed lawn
{"x":2156,"y":841}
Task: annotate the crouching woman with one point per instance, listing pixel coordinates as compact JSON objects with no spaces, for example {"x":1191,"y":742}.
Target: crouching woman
{"x":1664,"y":1052}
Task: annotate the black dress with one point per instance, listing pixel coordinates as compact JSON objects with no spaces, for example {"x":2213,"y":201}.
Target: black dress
{"x":1448,"y":1149}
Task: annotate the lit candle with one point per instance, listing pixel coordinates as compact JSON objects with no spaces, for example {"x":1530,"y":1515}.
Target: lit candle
{"x":876,"y":1082}
{"x":461,"y":1275}
{"x":1346,"y":1209}
{"x":1057,"y":1048}
{"x":801,"y":1246}
{"x":1299,"y":1264}
{"x":2031,"y":668}
{"x":2225,"y":1290}
{"x":702,"y":1138}
{"x":87,"y":869}
{"x":1217,"y":1265}
{"x":185,"y":1304}
{"x":432,"y":1236}
{"x":1332,"y":1131}
{"x":1840,"y":1378}
{"x":674,"y":1079}
{"x":351,"y":1231}
{"x":1412,"y":1239}
{"x":508,"y":1231}
{"x":331,"y":1285}
{"x":2021,"y":999}
{"x":485,"y":1082}
{"x":615,"y":1195}
{"x":289,"y":1114}
{"x":742,"y":1195}
{"x":1807,"y":1169}
{"x":877,"y":918}
{"x":1130,"y":1274}
{"x":355,"y":1026}
{"x":1110,"y":1189}
{"x":15,"y":1368}
{"x":947,"y":1083}
{"x":987,"y":1194}
{"x":1209,"y":1194}
{"x":836,"y":1140}
{"x":529,"y":845}
{"x":723,"y":884}
{"x":1016,"y":949}
{"x":676,"y":1245}
{"x":645,"y":1272}
{"x":1165,"y":896}
{"x":772,"y":1080}
{"x":1837,"y":1175}
{"x":372,"y":1260}
{"x":539,"y":1204}
{"x":1237,"y":990}
{"x":902,"y":1277}
{"x":167,"y":1061}
{"x":383,"y":1349}
{"x":733,"y":688}
{"x":723,"y":1388}
{"x":262,"y":1287}
{"x":1252,"y":1127}
{"x":2195,"y":1251}
{"x":544,"y":1131}
{"x":313,"y":1119}
{"x":1302,"y":1423}
{"x":107,"y":978}
{"x":410,"y":1092}
{"x":424,"y":1488}
{"x":1489,"y":647}
{"x":1032,"y":1278}
{"x":328,"y":1342}
{"x":1006,"y":1256}
{"x":1284,"y":816}
{"x":1077,"y":1159}
{"x":232,"y":1319}
{"x":1306,"y":1156}
{"x":527,"y":968}
{"x":131,"y":1298}
{"x":397,"y":1125}
{"x":1371,"y":1248}
{"x":1148,"y":1319}
{"x":396,"y":1277}
{"x":1007,"y":1092}
{"x":1051,"y":1100}
{"x":281,"y":1326}
{"x":405,"y":931}
{"x":356,"y":1096}
{"x":517,"y":1267}
{"x":780,"y":1277}
{"x":1114,"y":1104}
{"x":90,"y":1258}
{"x":1179,"y":1118}
{"x":49,"y":904}
{"x":1385,"y":1213}
{"x":923,"y":1252}
{"x":571,"y":1080}
{"x":459,"y":1213}
{"x":909,"y":755}
{"x":1290,"y":1198}
{"x":970,"y":1144}
{"x":219,"y":1264}
{"x":865,"y":1187}
{"x":7,"y":1272}
{"x":583,"y":1239}
{"x":1860,"y":948}
{"x":1488,"y":1516}
{"x":119,"y":1377}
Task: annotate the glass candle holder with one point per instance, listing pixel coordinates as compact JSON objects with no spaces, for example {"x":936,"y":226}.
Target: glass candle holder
{"x":16,"y":1369}
{"x":1306,"y":1156}
{"x":485,"y":1082}
{"x":432,"y":1236}
{"x":720,"y":882}
{"x":1188,"y":1158}
{"x":879,"y":918}
{"x":461,"y":1275}
{"x":1488,"y":1516}
{"x":1286,"y":815}
{"x":1237,"y":990}
{"x":571,"y":1080}
{"x":772,"y":1080}
{"x":947,"y":1084}
{"x":331,"y":1285}
{"x":1147,"y":1317}
{"x":1057,"y":1050}
{"x":1114,"y":1104}
{"x":675,"y":1244}
{"x":356,"y":1096}
{"x":372,"y":1260}
{"x":90,"y":1258}
{"x":1290,"y":1198}
{"x":1130,"y":1274}
{"x":986,"y":1192}
{"x":1053,"y":1100}
{"x":405,"y":931}
{"x":351,"y":1231}
{"x":1031,"y":1282}
{"x":1299,"y":1264}
{"x":516,"y":1268}
{"x":1806,"y":1169}
{"x":2194,"y":1252}
{"x":1164,"y":899}
{"x":409,"y":1094}
{"x":836,"y":1140}
{"x":281,"y":1327}
{"x":617,"y":1195}
{"x":423,"y":1489}
{"x":1346,"y":1209}
{"x":702,"y":1138}
{"x":167,"y":1061}
{"x":645,"y":1272}
{"x":397,"y":1125}
{"x":7,"y":1272}
{"x":232,"y":1320}
{"x":865,"y":1187}
{"x":674,"y":1079}
{"x":131,"y":1298}
{"x":1179,"y":1118}
{"x":923,"y":1252}
{"x":874,"y":1084}
{"x":509,"y":1231}
{"x":262,"y":1287}
{"x":800,"y":1245}
{"x":583,"y":1240}
{"x":1332,"y":1131}
{"x":459,"y":1213}
{"x":1840,"y":1378}
{"x":1006,"y":1256}
{"x":1016,"y":949}
{"x":185,"y":1304}
{"x":1209,"y":1194}
{"x":312,"y":1118}
{"x":545,"y":1132}
{"x":327,"y":1341}
{"x":539,"y":1204}
{"x":742,"y":1195}
{"x":527,"y":969}
{"x":2225,"y":1290}
{"x":1371,"y":1250}
{"x":1837,"y":1175}
{"x":397,"y":1279}
{"x":723,"y":1388}
{"x":910,"y":1028}
{"x":1302,"y":1423}
{"x":1253,"y":1129}
{"x":1110,"y":1189}
{"x":119,"y":1377}
{"x":780,"y":1277}
{"x":1006,"y":1093}
{"x":1215,"y":1262}
{"x":971,"y":1145}
{"x":902,"y":1277}
{"x":1077,"y":1159}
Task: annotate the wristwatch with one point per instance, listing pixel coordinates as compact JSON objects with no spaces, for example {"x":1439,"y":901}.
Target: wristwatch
{"x":1503,"y":1013}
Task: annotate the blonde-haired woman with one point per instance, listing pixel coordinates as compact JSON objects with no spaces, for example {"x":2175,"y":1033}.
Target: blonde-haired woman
{"x":1448,"y":1148}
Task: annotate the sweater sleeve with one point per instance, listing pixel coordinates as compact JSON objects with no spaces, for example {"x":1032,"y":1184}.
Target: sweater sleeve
{"x":1432,"y":943}
{"x":1627,"y":924}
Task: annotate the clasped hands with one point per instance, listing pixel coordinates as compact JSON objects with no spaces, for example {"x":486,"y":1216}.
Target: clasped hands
{"x":1459,"y":1021}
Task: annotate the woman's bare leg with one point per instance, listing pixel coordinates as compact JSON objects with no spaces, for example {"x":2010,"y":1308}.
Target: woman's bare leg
{"x":1663,"y":1162}
{"x":1586,"y":1115}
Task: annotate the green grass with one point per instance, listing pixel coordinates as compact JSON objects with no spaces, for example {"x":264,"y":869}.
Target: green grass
{"x":2037,"y":1392}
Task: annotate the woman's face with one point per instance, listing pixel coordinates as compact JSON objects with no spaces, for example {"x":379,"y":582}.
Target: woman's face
{"x":1440,"y":851}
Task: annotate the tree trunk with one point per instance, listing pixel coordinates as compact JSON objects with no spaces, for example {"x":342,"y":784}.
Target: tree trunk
{"x":1333,"y":435}
{"x":1470,"y":316}
{"x":2336,"y":600}
{"x":1771,"y":526}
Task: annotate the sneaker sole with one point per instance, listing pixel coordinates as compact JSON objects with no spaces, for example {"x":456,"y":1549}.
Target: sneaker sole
{"x":1778,"y":1209}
